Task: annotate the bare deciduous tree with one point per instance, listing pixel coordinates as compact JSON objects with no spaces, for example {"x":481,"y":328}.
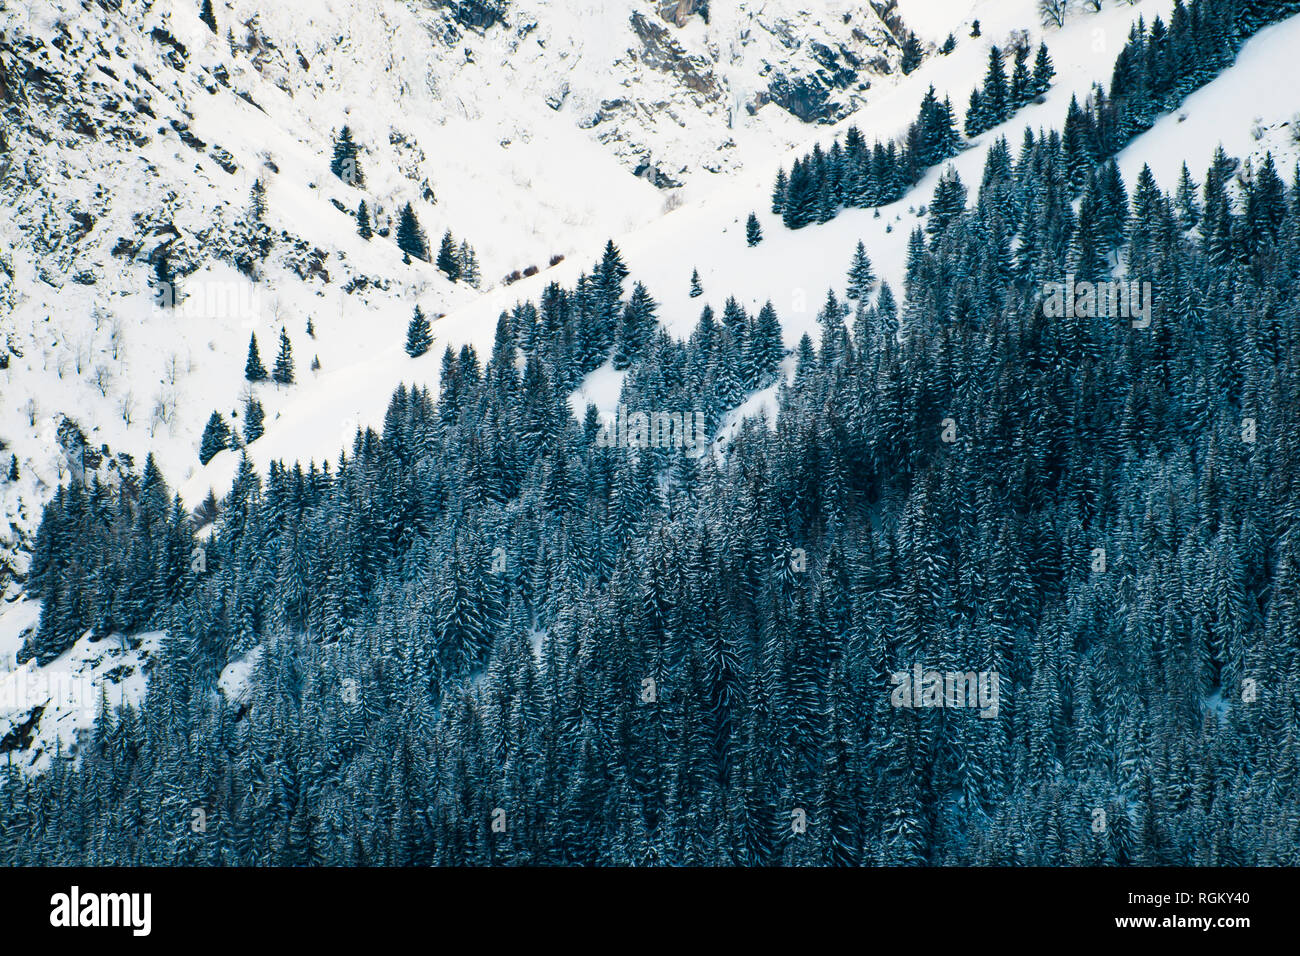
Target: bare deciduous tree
{"x":81,"y":354}
{"x":1053,"y":11}
{"x":102,"y":379}
{"x":116,"y":342}
{"x":157,"y":416}
{"x":172,"y":369}
{"x":164,"y":409}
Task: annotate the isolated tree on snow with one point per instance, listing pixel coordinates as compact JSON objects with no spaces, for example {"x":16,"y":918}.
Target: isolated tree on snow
{"x":1053,"y":11}
{"x":254,"y":417}
{"x":861,"y":278}
{"x":753,"y":233}
{"x":1043,"y":70}
{"x":344,"y":163}
{"x":467,"y":263}
{"x":207,"y":16}
{"x":419,"y":337}
{"x":164,"y":281}
{"x":410,"y":237}
{"x":257,"y":201}
{"x":779,"y":189}
{"x":254,"y":370}
{"x":216,"y":437}
{"x":283,"y":371}
{"x":363,"y":221}
{"x":696,"y":290}
{"x":447,"y":261}
{"x":911,"y":54}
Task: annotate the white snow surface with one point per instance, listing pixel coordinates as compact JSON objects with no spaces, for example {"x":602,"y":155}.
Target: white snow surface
{"x":44,"y":710}
{"x":234,"y":679}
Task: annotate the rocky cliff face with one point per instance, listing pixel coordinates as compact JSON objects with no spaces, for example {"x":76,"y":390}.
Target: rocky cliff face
{"x":710,"y":69}
{"x":670,"y":88}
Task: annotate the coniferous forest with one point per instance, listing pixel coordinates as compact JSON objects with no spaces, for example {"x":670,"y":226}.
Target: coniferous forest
{"x":491,"y":638}
{"x":1158,"y":67}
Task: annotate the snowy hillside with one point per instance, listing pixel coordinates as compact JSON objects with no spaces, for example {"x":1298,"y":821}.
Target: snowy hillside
{"x":530,"y":130}
{"x":650,"y":433}
{"x":42,"y":709}
{"x":137,"y":132}
{"x":795,"y":269}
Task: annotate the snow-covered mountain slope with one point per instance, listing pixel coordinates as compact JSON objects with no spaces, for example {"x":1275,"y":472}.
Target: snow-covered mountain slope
{"x":129,"y":129}
{"x":795,"y":269}
{"x":559,"y":185}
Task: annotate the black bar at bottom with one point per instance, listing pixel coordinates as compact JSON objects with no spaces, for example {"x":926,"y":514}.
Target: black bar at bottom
{"x":931,"y":906}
